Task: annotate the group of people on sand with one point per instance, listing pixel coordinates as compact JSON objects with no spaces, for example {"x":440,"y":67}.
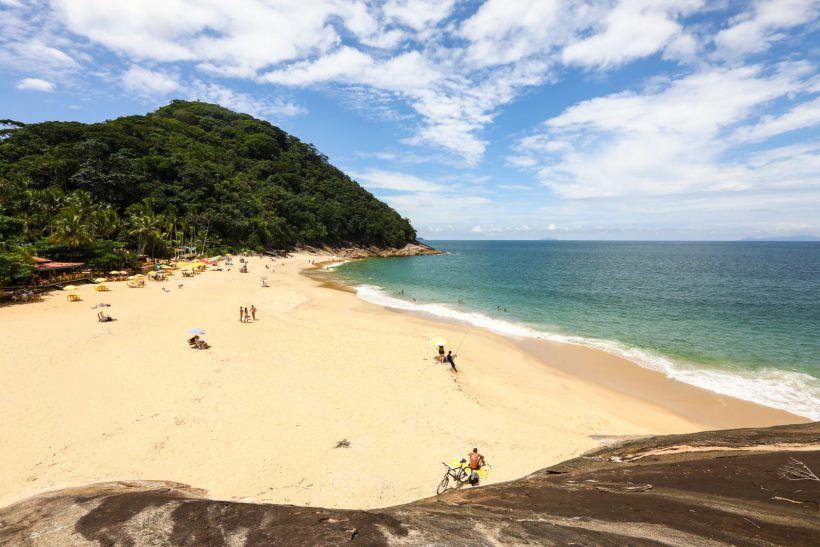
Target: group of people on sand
{"x":246,"y":316}
{"x":448,"y":358}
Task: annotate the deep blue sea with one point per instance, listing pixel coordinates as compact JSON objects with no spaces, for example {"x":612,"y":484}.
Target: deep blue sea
{"x":737,"y":318}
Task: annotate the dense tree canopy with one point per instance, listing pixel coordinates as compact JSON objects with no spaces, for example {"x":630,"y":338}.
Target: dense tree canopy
{"x":190,"y":173}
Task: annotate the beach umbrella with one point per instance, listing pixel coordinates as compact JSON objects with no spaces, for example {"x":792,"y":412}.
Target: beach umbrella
{"x":196,"y":331}
{"x":131,"y":277}
{"x":100,"y":280}
{"x":123,"y":272}
{"x":139,"y":275}
{"x":439,"y":341}
{"x":113,"y":272}
{"x":264,"y":278}
{"x":70,"y":288}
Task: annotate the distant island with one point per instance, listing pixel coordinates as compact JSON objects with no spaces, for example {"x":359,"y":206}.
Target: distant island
{"x":801,"y":237}
{"x":190,"y":174}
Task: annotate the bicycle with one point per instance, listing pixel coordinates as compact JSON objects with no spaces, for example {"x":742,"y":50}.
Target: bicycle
{"x":458,"y":474}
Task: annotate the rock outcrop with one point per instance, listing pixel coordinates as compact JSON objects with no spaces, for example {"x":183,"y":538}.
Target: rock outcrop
{"x":710,"y":488}
{"x":411,"y":249}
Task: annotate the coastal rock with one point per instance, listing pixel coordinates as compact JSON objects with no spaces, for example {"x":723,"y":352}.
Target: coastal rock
{"x":411,"y":249}
{"x":709,"y":488}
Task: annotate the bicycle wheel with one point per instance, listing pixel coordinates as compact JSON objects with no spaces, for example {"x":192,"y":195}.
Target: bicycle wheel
{"x":442,"y":486}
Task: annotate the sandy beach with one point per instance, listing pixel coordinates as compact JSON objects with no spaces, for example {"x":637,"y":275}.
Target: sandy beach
{"x":258,"y":416}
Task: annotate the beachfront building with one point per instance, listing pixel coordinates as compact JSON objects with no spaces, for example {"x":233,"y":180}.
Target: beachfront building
{"x":49,"y":271}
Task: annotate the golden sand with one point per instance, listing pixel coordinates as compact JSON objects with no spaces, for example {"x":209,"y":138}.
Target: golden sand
{"x":258,"y":416}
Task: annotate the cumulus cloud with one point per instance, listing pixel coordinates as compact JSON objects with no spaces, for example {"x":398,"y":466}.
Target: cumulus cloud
{"x":631,"y":30}
{"x":671,"y":137}
{"x":35,"y":84}
{"x":149,"y":82}
{"x":755,"y":30}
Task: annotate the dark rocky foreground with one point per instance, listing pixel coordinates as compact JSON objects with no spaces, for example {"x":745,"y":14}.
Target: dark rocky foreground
{"x":639,"y":492}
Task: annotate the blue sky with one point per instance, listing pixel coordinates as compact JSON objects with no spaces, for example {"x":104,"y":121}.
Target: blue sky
{"x":501,"y":119}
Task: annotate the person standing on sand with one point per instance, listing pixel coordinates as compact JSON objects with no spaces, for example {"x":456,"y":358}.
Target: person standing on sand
{"x":247,"y":316}
{"x":441,"y":354}
{"x":241,"y":314}
{"x":253,"y":312}
{"x":451,"y":361}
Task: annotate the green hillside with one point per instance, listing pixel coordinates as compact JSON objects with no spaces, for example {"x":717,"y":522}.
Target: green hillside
{"x":190,"y":174}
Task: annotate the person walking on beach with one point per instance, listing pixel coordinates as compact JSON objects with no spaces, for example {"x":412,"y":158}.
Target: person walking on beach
{"x":451,"y":361}
{"x":253,"y":312}
{"x":476,"y":462}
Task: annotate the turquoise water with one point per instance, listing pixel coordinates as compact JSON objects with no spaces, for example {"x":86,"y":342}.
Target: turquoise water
{"x":737,"y":318}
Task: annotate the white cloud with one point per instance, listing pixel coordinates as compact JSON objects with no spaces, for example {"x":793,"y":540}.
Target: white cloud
{"x":242,"y":102}
{"x":801,"y":116}
{"x":149,"y":82}
{"x":433,"y":208}
{"x":391,"y":180}
{"x":633,"y":29}
{"x":240,"y":37}
{"x":418,"y":14}
{"x":755,"y":30}
{"x":507,"y":31}
{"x":670,"y":138}
{"x":35,"y":84}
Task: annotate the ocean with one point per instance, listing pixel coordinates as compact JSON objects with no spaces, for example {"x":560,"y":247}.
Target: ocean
{"x":736,"y":318}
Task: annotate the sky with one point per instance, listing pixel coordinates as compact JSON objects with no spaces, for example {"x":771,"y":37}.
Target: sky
{"x":495,"y":119}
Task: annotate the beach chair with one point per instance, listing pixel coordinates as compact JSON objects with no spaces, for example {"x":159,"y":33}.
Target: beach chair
{"x":74,"y":298}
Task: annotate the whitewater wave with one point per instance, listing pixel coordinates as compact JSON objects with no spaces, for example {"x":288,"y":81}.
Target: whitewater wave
{"x":335,"y":265}
{"x":792,"y":391}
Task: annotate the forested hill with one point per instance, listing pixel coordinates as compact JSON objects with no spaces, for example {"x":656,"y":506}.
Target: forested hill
{"x":190,"y":173}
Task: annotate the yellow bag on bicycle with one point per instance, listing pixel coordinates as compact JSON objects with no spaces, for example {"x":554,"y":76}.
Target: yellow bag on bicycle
{"x":456,"y":463}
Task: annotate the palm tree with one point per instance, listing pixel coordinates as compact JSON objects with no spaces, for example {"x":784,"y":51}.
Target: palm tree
{"x":71,"y":229}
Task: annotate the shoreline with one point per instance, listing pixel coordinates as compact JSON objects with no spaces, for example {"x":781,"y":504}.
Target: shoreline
{"x":258,"y":415}
{"x":717,"y":381}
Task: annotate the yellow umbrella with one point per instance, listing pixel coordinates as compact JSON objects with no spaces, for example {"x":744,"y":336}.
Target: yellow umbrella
{"x":152,"y":274}
{"x":130,"y":277}
{"x":139,"y":275}
{"x":70,"y":288}
{"x":100,"y":280}
{"x":439,"y":341}
{"x":113,"y":272}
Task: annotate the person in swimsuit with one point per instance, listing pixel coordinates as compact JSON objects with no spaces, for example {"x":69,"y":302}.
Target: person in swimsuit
{"x":441,"y":354}
{"x":476,"y":462}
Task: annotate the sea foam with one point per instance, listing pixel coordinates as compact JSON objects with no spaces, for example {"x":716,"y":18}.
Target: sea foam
{"x":795,"y":392}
